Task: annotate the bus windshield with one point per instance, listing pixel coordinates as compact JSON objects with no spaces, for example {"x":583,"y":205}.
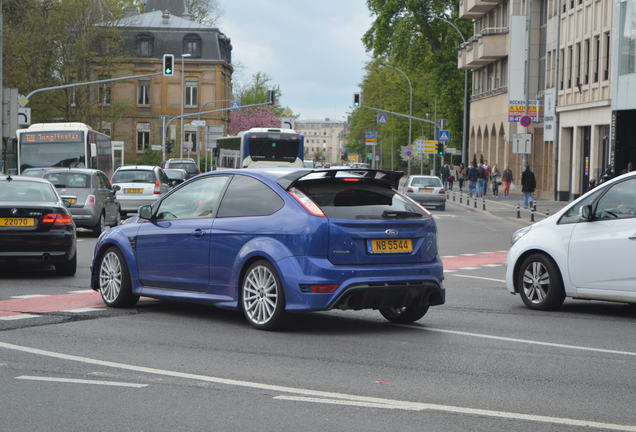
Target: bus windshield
{"x":52,"y":149}
{"x":273,"y":149}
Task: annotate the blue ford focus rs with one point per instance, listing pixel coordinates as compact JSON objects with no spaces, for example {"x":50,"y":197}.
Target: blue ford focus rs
{"x":270,"y":241}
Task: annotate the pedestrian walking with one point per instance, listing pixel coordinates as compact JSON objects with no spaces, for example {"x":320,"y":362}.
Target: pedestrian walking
{"x":507,"y":181}
{"x":528,"y":185}
{"x":496,"y":180}
{"x":451,"y":177}
{"x":487,"y":171}
{"x":472,"y":180}
{"x":445,"y":173}
{"x":461,"y":176}
{"x":481,"y":181}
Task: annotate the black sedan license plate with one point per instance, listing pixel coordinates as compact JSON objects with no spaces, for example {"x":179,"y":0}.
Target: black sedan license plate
{"x":386,"y":246}
{"x":17,"y":222}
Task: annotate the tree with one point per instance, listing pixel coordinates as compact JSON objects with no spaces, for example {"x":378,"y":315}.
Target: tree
{"x":255,"y":91}
{"x":205,"y":11}
{"x":247,"y":118}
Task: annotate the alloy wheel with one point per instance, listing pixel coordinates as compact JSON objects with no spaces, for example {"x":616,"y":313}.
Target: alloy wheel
{"x":536,"y":282}
{"x":260,"y":294}
{"x":110,"y":277}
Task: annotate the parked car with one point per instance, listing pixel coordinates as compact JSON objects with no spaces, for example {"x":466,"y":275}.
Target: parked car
{"x":176,"y":175}
{"x":426,"y":190}
{"x":268,"y":241}
{"x":139,"y":185}
{"x":187,"y":164}
{"x":35,"y":224}
{"x":93,"y":201}
{"x":585,"y":251}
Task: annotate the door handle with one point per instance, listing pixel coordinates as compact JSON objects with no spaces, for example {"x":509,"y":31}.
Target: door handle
{"x":198,"y":233}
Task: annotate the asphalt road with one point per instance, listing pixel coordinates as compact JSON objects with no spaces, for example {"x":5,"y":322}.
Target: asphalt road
{"x":482,"y":362}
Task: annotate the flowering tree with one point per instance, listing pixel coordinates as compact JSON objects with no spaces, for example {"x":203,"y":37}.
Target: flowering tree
{"x":248,"y":118}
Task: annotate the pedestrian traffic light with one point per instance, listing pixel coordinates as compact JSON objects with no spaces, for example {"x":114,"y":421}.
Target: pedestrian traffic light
{"x":271,"y":97}
{"x":440,"y":149}
{"x":356,"y":100}
{"x":168,"y":65}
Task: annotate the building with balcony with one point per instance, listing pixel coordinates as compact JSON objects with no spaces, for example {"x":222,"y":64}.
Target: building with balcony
{"x":324,"y":139}
{"x":202,"y":76}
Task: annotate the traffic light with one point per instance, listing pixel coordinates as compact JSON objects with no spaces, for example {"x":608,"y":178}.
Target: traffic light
{"x":356,"y":100}
{"x":271,"y":97}
{"x":440,"y":149}
{"x":168,"y":65}
{"x":169,"y":146}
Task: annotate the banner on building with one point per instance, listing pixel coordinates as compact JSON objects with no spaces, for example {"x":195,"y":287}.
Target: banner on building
{"x":549,"y":116}
{"x":517,"y":109}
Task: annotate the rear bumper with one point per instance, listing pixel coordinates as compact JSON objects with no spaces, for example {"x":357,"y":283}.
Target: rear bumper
{"x":430,"y":199}
{"x":360,"y":287}
{"x":53,"y":247}
{"x":85,"y":217}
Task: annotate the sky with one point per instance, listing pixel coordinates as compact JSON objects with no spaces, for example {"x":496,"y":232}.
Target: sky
{"x":311,"y":49}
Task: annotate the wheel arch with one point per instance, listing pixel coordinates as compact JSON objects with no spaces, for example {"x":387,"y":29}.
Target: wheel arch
{"x":526,"y":254}
{"x":126,"y":252}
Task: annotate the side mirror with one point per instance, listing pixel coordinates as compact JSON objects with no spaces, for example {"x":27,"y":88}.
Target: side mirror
{"x":116,"y":188}
{"x":66,"y":203}
{"x":145,"y":212}
{"x":586,"y":213}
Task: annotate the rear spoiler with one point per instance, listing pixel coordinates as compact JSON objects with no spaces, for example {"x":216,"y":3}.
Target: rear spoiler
{"x":391,"y":178}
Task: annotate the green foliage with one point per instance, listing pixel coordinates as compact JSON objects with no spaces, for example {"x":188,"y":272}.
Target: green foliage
{"x":150,"y":157}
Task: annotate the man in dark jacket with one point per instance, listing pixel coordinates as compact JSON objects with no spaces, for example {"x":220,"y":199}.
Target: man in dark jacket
{"x":528,"y":185}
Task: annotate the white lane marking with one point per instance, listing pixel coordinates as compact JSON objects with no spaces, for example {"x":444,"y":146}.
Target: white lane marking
{"x":324,"y":394}
{"x":467,"y":254}
{"x":449,"y":271}
{"x":491,"y":265}
{"x":470,"y":411}
{"x":449,"y":256}
{"x":81,"y":381}
{"x":479,"y":277}
{"x":82,"y":310}
{"x":28,"y":296}
{"x":469,"y":268}
{"x":18,"y":317}
{"x":81,"y":291}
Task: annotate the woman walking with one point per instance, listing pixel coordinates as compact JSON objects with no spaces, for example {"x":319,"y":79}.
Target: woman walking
{"x":507,"y":180}
{"x":495,"y":176}
{"x":461,"y":176}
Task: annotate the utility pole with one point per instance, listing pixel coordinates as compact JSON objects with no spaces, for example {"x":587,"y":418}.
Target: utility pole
{"x":1,"y":84}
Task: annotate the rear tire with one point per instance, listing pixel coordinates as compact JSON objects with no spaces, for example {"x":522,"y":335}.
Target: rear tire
{"x":114,"y":280}
{"x":406,"y":314}
{"x":539,"y":283}
{"x":67,"y":268}
{"x":101,"y":225}
{"x":262,"y":296}
{"x":117,"y":219}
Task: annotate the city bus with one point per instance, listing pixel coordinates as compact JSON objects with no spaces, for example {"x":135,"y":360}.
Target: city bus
{"x":73,"y":145}
{"x":260,"y":147}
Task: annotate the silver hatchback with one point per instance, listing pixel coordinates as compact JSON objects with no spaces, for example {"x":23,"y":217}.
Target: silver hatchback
{"x":139,"y":186}
{"x":426,"y":190}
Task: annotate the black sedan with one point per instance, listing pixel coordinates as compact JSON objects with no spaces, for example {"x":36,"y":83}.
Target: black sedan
{"x":35,"y":224}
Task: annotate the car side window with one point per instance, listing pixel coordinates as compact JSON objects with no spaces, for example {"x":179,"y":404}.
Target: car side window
{"x":618,"y":203}
{"x":164,"y":177}
{"x":103,"y":181}
{"x":247,"y":196}
{"x":196,"y":200}
{"x":573,"y":215}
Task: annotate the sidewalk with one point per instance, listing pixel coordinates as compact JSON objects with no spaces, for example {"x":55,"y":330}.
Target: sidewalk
{"x":507,"y":207}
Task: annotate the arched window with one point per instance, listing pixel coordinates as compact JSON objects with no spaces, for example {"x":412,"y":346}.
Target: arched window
{"x":144,"y":45}
{"x":192,"y":45}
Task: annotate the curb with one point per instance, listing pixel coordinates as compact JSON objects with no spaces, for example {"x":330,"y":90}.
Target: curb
{"x":522,"y":222}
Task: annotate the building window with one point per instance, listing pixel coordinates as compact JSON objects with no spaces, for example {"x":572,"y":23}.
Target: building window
{"x":597,"y":57}
{"x":627,"y":38}
{"x":578,"y":64}
{"x":192,"y":45}
{"x":144,"y":45}
{"x":143,"y":136}
{"x":143,"y":94}
{"x":607,"y":56}
{"x":191,"y":91}
{"x":569,"y":71}
{"x":191,"y":140}
{"x":104,"y":92}
{"x":586,"y":63}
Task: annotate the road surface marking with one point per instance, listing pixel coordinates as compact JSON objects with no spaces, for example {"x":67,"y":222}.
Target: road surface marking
{"x":330,"y":395}
{"x":81,"y":381}
{"x":450,"y":271}
{"x":82,"y":310}
{"x":450,"y":256}
{"x":81,"y":291}
{"x":492,"y":265}
{"x":468,"y":268}
{"x":347,"y":402}
{"x":17,"y":317}
{"x":28,"y":296}
{"x":471,"y":254}
{"x":479,"y":277}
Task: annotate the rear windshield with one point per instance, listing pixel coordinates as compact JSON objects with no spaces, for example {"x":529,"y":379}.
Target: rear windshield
{"x":190,"y":167}
{"x":134,"y":176}
{"x":426,"y":182}
{"x":26,"y":191}
{"x":175,"y":174}
{"x":360,"y":200}
{"x":69,"y":180}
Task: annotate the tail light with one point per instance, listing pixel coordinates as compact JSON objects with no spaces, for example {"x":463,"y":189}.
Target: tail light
{"x":323,"y":289}
{"x":90,"y":201}
{"x":442,"y":191}
{"x":409,"y":190}
{"x":306,"y":202}
{"x":157,"y":188}
{"x":58,"y":219}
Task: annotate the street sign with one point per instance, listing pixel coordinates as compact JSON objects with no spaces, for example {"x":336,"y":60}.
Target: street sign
{"x":22,"y":100}
{"x":430,"y":147}
{"x":419,"y":146}
{"x":212,"y":133}
{"x":443,"y":135}
{"x":197,"y":123}
{"x":155,"y":147}
{"x":287,"y":123}
{"x":406,"y":152}
{"x":235,"y":105}
{"x":24,"y":116}
{"x":522,"y":143}
{"x":525,"y":121}
{"x":371,"y":134}
{"x":382,"y":119}
{"x":453,"y":151}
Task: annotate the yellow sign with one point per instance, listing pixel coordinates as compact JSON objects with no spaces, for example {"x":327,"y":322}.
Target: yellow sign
{"x":430,"y":146}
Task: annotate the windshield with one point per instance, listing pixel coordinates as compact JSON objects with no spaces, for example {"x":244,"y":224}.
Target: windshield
{"x":189,"y":167}
{"x":134,"y":176}
{"x":273,"y":147}
{"x":52,"y":149}
{"x":26,"y":191}
{"x":69,"y":180}
{"x":175,"y":174}
{"x":426,"y":182}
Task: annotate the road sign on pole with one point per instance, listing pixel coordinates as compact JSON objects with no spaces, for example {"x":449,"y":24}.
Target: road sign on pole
{"x":525,"y":121}
{"x":235,"y":105}
{"x":443,"y":135}
{"x":382,"y":119}
{"x":522,"y":143}
{"x":430,"y":146}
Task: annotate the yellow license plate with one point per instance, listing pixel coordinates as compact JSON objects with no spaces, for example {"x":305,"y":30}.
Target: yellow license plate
{"x":133,"y":191}
{"x":426,"y":189}
{"x":17,"y":222}
{"x":382,"y":246}
{"x":71,"y":200}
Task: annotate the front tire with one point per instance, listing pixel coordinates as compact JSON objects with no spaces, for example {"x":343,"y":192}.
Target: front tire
{"x":539,"y":283}
{"x":405,"y":314}
{"x":262,"y":296}
{"x":67,"y":268}
{"x":114,"y":280}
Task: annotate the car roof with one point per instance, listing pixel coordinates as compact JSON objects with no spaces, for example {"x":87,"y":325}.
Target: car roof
{"x":73,"y":170}
{"x":137,"y":167}
{"x":181,"y":160}
{"x":24,"y":179}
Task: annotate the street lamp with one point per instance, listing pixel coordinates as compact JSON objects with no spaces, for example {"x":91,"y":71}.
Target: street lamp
{"x":181,"y":132}
{"x":465,"y":122}
{"x":410,"y":96}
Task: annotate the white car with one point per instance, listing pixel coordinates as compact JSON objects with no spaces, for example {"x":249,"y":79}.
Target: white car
{"x":139,"y":185}
{"x":587,"y":250}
